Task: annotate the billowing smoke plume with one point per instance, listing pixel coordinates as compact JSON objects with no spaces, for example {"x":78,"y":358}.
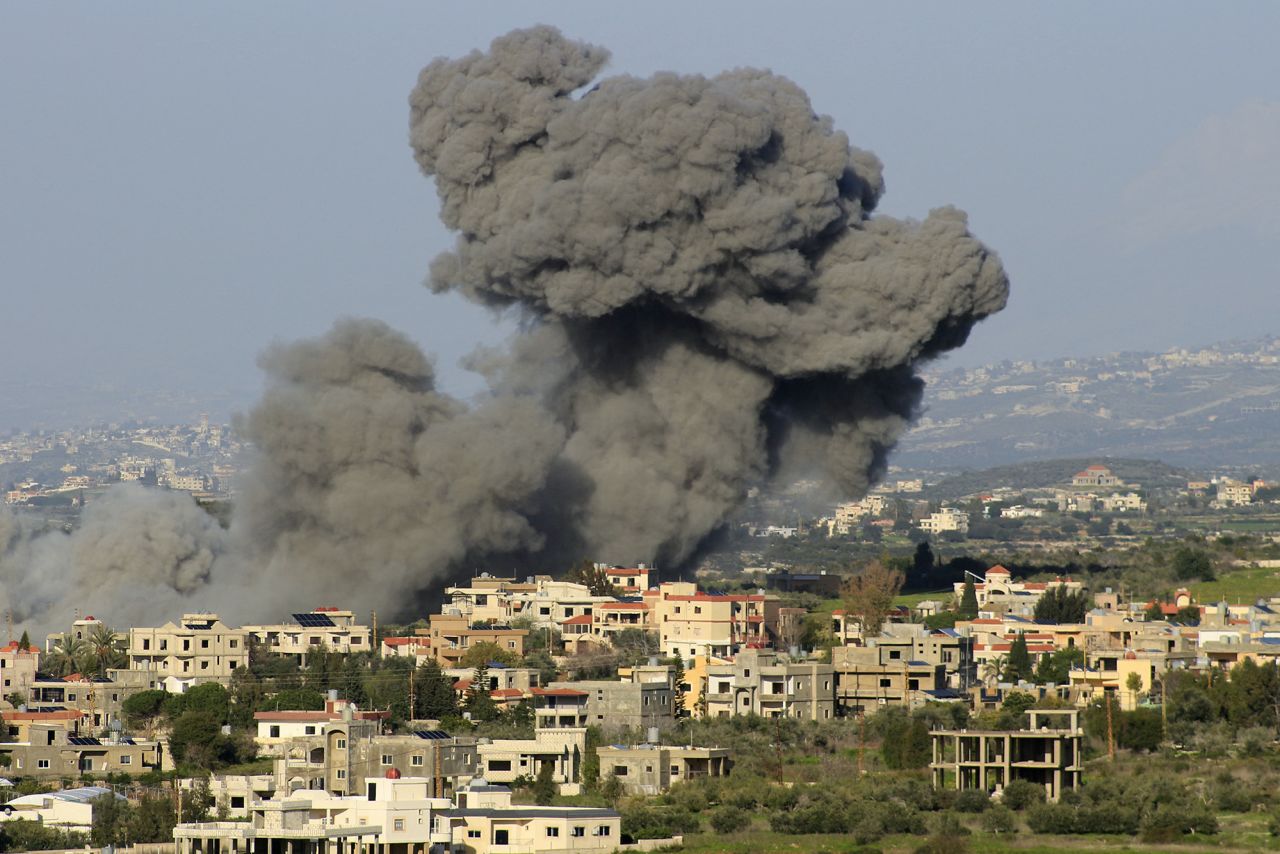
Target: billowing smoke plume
{"x":697,"y":256}
{"x":706,"y":303}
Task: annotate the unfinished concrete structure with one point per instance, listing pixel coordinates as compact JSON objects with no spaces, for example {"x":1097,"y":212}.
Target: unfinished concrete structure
{"x":1047,"y":753}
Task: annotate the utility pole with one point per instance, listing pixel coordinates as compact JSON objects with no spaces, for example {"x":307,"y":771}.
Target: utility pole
{"x":1111,"y":733}
{"x":411,"y":696}
{"x":377,"y":649}
{"x":862,"y":738}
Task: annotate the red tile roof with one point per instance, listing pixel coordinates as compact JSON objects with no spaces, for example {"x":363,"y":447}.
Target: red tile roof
{"x":580,"y":620}
{"x":558,"y":692}
{"x":35,"y":717}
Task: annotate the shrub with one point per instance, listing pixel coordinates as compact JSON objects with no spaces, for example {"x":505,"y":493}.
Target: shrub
{"x":730,"y":820}
{"x":657,"y":822}
{"x":972,"y":801}
{"x":1000,"y":819}
{"x":1020,"y":794}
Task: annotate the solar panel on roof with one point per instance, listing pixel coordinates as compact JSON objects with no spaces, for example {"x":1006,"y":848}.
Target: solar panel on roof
{"x":431,"y":734}
{"x":83,"y":741}
{"x":314,"y":621}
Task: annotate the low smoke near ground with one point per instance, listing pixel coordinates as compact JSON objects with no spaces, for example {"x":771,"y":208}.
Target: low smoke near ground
{"x":706,"y":301}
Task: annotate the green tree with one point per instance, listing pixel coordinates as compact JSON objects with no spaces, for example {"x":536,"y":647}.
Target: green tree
{"x":544,"y":787}
{"x":596,"y":578}
{"x":488,"y":652}
{"x":143,"y":709}
{"x":69,"y":655}
{"x":479,"y":703}
{"x":104,"y":649}
{"x":110,"y":820}
{"x":1191,"y":564}
{"x":968,"y":609}
{"x":152,"y":820}
{"x":679,"y":687}
{"x":1018,"y":664}
{"x":1059,"y":605}
{"x":24,"y":642}
{"x":435,"y":699}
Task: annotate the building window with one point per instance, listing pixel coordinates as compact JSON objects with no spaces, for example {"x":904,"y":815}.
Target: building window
{"x":275,"y":731}
{"x":232,"y":644}
{"x":237,"y":802}
{"x":885,"y":683}
{"x":603,"y":830}
{"x":310,"y":730}
{"x":500,"y":837}
{"x":146,"y":644}
{"x":386,"y":759}
{"x":473,"y":834}
{"x":126,"y":759}
{"x":553,"y":831}
{"x":579,"y":831}
{"x":342,"y":743}
{"x":399,"y":824}
{"x":342,"y":773}
{"x":42,"y":763}
{"x":619,"y":770}
{"x":71,"y":698}
{"x":204,"y":643}
{"x":416,"y":760}
{"x":499,"y":764}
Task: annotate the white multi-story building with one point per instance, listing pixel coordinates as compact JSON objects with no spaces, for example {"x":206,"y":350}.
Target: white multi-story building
{"x":946,"y":519}
{"x":327,"y":628}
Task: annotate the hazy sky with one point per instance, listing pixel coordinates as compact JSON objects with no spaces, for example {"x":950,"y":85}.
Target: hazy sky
{"x":180,"y":184}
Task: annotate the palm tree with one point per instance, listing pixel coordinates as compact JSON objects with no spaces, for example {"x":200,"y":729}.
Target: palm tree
{"x":992,"y":669}
{"x":104,"y":649}
{"x":69,"y":655}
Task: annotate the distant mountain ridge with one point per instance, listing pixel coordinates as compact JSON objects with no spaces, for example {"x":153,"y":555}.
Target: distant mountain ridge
{"x":1215,"y":406}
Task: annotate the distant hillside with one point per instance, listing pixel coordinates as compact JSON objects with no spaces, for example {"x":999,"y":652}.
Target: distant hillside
{"x":1201,"y":409}
{"x":1151,"y":474}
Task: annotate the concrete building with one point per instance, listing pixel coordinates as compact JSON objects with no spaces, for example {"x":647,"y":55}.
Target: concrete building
{"x":650,"y":769}
{"x":1095,"y":476}
{"x":868,"y":678}
{"x":452,"y":635}
{"x":506,"y":760}
{"x":344,"y":755}
{"x":486,"y":821}
{"x":637,"y":706}
{"x":277,"y":730}
{"x":760,"y":682}
{"x":100,"y":698}
{"x":1000,"y":591}
{"x":200,"y":648}
{"x":629,"y":581}
{"x":610,"y":618}
{"x":1233,"y":493}
{"x":692,"y":624}
{"x":1047,"y":754}
{"x":18,"y":667}
{"x":391,"y":816}
{"x":326,"y":628}
{"x":69,"y":809}
{"x":52,"y":752}
{"x":945,"y":520}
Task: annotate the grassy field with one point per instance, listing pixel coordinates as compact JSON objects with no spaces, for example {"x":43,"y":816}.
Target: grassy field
{"x":1239,"y":585}
{"x":751,"y":842}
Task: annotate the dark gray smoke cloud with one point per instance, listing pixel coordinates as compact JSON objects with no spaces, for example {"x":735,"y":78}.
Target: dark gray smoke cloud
{"x":699,"y":258}
{"x":706,"y":303}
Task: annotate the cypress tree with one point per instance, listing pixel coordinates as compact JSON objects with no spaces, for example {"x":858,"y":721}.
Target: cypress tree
{"x":1019,"y":665}
{"x":968,"y":609}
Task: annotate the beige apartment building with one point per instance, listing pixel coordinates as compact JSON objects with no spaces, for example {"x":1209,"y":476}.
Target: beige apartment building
{"x":100,"y":698}
{"x":450,"y":637}
{"x":329,"y":629}
{"x":760,"y":682}
{"x":18,"y":667}
{"x":650,"y":769}
{"x":692,"y":624}
{"x":199,"y":648}
{"x":541,"y":599}
{"x":342,"y":756}
{"x":867,"y":679}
